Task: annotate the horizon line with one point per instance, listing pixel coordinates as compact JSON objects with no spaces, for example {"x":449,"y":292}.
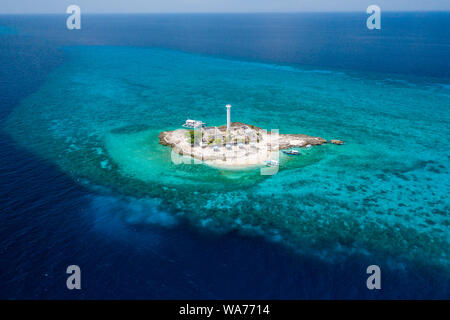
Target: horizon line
{"x":217,"y":12}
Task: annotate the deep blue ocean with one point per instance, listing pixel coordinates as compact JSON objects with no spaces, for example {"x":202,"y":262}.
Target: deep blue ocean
{"x":53,"y":215}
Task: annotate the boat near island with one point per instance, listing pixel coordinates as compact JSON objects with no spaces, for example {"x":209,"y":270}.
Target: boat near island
{"x":272,"y":163}
{"x":291,"y":152}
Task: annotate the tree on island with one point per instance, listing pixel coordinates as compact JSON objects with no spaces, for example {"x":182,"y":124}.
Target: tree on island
{"x":191,"y":136}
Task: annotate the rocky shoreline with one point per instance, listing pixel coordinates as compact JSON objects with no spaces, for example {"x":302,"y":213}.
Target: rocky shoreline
{"x":242,"y":145}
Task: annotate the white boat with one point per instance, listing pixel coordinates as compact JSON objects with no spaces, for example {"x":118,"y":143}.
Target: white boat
{"x":291,"y":152}
{"x":272,"y":163}
{"x":193,"y":124}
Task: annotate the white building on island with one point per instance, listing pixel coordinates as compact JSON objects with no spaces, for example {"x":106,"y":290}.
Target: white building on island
{"x":193,"y":124}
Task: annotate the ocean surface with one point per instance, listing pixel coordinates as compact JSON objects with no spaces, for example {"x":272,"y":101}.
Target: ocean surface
{"x":84,"y":180}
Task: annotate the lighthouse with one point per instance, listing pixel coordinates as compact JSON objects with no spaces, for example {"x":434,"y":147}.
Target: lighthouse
{"x":228,"y":106}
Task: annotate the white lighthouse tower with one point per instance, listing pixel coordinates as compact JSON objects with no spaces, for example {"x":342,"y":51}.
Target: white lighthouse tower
{"x":228,"y":106}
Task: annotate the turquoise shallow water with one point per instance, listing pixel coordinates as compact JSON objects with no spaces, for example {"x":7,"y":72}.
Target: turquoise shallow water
{"x":385,"y":191}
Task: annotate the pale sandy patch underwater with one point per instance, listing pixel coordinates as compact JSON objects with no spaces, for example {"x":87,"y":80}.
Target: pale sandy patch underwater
{"x":385,"y":191}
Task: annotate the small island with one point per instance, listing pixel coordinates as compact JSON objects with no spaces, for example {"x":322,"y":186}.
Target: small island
{"x":234,"y":145}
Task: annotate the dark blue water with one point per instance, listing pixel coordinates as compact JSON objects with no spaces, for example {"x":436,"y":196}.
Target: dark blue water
{"x":48,"y":221}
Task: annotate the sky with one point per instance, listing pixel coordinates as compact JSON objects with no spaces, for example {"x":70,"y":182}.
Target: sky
{"x":179,"y":6}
